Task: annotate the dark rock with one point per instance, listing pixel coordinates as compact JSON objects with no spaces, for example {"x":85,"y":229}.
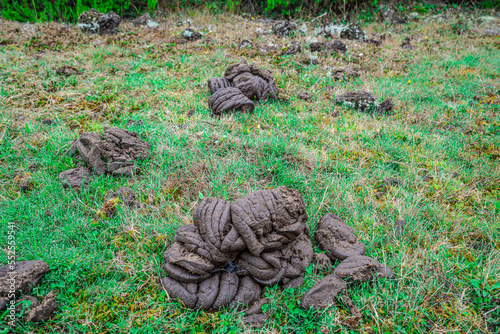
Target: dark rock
{"x":284,"y":28}
{"x":323,"y":293}
{"x":322,"y":261}
{"x":359,"y":268}
{"x":89,"y":20}
{"x":191,"y":35}
{"x":256,"y":320}
{"x":76,"y":177}
{"x":21,"y":277}
{"x":227,"y":99}
{"x":291,"y":49}
{"x":108,"y":23}
{"x":337,"y":239}
{"x":126,"y":195}
{"x":353,"y":31}
{"x":257,"y":307}
{"x":304,"y":96}
{"x":44,"y":311}
{"x":68,"y":71}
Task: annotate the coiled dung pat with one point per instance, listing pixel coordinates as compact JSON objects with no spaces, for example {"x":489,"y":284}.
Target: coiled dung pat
{"x":233,"y":249}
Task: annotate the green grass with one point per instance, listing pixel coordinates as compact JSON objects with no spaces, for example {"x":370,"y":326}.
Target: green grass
{"x":105,"y":271}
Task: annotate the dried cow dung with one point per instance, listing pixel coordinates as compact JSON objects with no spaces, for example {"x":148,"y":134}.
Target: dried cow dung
{"x":235,"y":247}
{"x":364,"y":101}
{"x":24,"y":275}
{"x":322,"y":261}
{"x":336,"y":46}
{"x":76,"y":177}
{"x":68,"y":71}
{"x":323,"y":293}
{"x":353,"y":31}
{"x":230,"y":98}
{"x":89,"y":20}
{"x":20,"y":278}
{"x":191,"y":35}
{"x":304,"y":96}
{"x":337,"y":239}
{"x":126,"y":195}
{"x":284,"y":28}
{"x":214,"y":84}
{"x":114,"y":152}
{"x":407,"y":44}
{"x":291,"y":49}
{"x":108,"y":23}
{"x":145,"y":20}
{"x":359,"y":268}
{"x":43,"y":311}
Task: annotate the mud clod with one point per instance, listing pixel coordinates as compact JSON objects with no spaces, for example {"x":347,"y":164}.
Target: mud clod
{"x":359,"y":268}
{"x":235,"y":247}
{"x":337,"y":239}
{"x":323,"y":293}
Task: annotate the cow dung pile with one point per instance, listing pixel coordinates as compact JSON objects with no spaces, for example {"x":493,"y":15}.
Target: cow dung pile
{"x":233,"y":249}
{"x":95,"y":22}
{"x":239,"y":89}
{"x":339,"y":243}
{"x":114,"y":152}
{"x":20,"y":278}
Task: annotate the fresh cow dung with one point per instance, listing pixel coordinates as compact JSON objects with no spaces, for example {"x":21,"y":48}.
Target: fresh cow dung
{"x":114,"y":152}
{"x":337,"y":239}
{"x":359,"y":268}
{"x":235,"y":248}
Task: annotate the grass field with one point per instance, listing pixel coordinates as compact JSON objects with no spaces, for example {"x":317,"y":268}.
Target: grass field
{"x":433,"y":162}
